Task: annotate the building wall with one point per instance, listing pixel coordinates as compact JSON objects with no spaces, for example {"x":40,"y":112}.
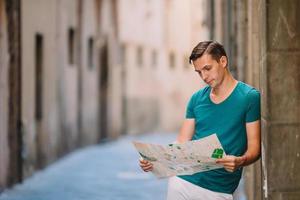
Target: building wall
{"x":67,"y":65}
{"x":10,"y":93}
{"x":4,"y":92}
{"x":273,"y":39}
{"x":74,"y":35}
{"x":39,"y":136}
{"x":279,"y":76}
{"x":90,"y":71}
{"x":157,"y":89}
{"x":51,"y":100}
{"x":110,"y":71}
{"x":180,"y":81}
{"x":140,"y":33}
{"x":255,"y":52}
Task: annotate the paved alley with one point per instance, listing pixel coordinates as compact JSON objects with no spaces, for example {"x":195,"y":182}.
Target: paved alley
{"x":107,"y":171}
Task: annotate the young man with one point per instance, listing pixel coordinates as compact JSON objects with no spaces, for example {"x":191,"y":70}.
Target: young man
{"x":227,"y":107}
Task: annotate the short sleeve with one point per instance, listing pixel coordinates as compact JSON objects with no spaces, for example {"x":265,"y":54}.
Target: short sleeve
{"x":253,"y":111}
{"x":189,"y":110}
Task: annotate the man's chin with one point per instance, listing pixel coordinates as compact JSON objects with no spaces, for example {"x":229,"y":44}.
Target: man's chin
{"x":211,"y":83}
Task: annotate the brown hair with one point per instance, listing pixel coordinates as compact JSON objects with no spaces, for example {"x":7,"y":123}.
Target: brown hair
{"x":215,"y":49}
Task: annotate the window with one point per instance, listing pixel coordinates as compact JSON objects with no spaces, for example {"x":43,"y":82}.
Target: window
{"x":140,"y":54}
{"x":154,"y":58}
{"x":71,"y":46}
{"x":123,"y":54}
{"x":172,"y":60}
{"x":90,"y":54}
{"x":39,"y":45}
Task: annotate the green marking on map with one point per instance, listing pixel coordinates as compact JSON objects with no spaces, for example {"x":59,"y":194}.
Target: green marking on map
{"x":218,"y":153}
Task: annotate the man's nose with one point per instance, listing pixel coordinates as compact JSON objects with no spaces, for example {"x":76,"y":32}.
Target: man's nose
{"x":204,"y":76}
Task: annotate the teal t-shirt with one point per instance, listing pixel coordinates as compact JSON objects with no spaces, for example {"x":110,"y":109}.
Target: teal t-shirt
{"x":228,"y":120}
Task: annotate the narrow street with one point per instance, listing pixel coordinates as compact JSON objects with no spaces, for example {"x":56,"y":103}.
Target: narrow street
{"x":81,"y":79}
{"x":106,"y":171}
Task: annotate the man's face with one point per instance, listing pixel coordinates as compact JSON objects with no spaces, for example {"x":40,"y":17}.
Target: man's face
{"x":211,"y":71}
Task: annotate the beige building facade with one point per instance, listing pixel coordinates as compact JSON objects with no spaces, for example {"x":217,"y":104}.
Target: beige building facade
{"x":67,"y":82}
{"x":157,"y":38}
{"x":59,"y":81}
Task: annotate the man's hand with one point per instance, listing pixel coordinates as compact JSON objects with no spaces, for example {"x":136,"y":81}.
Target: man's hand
{"x":146,"y":165}
{"x":232,"y":163}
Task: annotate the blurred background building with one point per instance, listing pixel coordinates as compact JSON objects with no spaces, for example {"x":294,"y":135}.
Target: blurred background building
{"x":76,"y":73}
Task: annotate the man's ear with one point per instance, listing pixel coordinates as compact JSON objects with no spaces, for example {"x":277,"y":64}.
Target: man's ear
{"x":223,"y":61}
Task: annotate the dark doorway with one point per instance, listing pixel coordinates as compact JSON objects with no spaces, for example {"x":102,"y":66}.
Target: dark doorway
{"x":39,"y":43}
{"x":103,"y":86}
{"x":71,"y":46}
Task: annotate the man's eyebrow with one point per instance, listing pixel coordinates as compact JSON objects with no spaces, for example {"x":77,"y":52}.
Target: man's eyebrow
{"x":205,"y":66}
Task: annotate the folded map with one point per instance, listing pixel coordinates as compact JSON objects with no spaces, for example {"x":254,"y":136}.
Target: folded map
{"x":182,"y":159}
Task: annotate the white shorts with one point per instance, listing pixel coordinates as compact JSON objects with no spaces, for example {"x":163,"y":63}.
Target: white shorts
{"x":179,"y":189}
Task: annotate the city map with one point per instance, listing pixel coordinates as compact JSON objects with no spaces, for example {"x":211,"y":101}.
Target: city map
{"x":182,"y":159}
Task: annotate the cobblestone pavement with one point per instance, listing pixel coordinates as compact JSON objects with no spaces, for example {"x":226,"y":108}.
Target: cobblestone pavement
{"x":107,"y":171}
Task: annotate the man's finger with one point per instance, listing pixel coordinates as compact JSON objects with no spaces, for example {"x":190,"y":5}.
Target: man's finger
{"x":147,"y":168}
{"x":223,"y":160}
{"x":146,"y":164}
{"x":226,"y":159}
{"x":144,"y":161}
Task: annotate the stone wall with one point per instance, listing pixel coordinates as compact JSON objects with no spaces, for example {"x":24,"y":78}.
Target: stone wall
{"x":281,"y":99}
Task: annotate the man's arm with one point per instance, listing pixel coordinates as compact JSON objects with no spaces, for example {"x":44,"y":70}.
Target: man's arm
{"x":231,"y":163}
{"x":187,"y":131}
{"x":253,"y":136}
